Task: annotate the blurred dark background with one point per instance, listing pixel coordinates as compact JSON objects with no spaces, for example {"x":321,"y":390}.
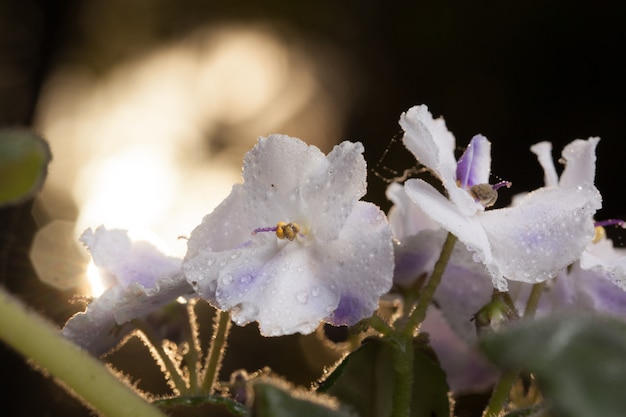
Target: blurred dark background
{"x":518,"y":72}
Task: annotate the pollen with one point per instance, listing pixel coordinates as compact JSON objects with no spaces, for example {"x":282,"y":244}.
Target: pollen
{"x":484,"y":194}
{"x":287,"y":231}
{"x":599,"y":234}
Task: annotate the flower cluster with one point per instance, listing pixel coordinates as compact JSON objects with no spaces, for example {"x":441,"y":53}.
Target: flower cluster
{"x":294,"y":246}
{"x":289,"y":248}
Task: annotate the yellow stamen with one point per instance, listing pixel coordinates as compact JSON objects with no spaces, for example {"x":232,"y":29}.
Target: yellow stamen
{"x":287,"y":231}
{"x":599,"y":234}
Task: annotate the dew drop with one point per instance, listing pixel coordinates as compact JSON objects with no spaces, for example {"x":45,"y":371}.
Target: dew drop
{"x":315,"y":292}
{"x":302,"y":297}
{"x":210,"y":261}
{"x":235,"y":255}
{"x":227,"y":279}
{"x":245,"y":279}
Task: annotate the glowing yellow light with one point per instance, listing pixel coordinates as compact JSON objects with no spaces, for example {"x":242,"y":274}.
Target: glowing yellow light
{"x":95,"y":282}
{"x":134,"y":148}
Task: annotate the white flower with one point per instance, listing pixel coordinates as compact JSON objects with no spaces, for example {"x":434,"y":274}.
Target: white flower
{"x":597,"y":281}
{"x":545,"y":232}
{"x":293,"y":245}
{"x":140,"y":278}
{"x":599,"y":253}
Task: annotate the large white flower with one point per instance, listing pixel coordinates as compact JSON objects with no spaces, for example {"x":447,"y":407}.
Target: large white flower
{"x":140,"y":279}
{"x":293,"y":245}
{"x":599,"y":254}
{"x":544,"y":232}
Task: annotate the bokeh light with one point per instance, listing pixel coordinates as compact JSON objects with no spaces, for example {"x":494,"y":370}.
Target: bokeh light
{"x":157,"y":143}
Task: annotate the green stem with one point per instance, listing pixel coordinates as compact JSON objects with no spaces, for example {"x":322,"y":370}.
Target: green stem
{"x":419,"y":313}
{"x":192,"y":357}
{"x":500,"y":394}
{"x":502,"y":389}
{"x":216,"y":351}
{"x":36,"y":339}
{"x":380,"y":325}
{"x":403,"y":387}
{"x":171,"y":370}
{"x":533,"y":300}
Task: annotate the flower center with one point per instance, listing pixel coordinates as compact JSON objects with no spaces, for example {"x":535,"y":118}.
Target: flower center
{"x":283,"y":230}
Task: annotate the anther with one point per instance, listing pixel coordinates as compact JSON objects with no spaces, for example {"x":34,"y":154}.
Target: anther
{"x":283,"y":230}
{"x":600,"y":232}
{"x":484,"y":194}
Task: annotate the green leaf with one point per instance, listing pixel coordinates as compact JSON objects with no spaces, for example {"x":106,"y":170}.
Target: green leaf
{"x":579,"y":361}
{"x":24,"y":159}
{"x":365,"y":380}
{"x":272,"y":400}
{"x":232,"y":406}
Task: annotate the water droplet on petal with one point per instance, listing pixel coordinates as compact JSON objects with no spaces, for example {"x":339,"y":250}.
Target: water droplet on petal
{"x":244,"y":313}
{"x":302,"y":297}
{"x":227,"y":279}
{"x":235,"y":255}
{"x":315,"y":292}
{"x":210,"y":261}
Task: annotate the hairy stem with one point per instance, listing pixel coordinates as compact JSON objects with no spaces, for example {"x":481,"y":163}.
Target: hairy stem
{"x":171,"y":370}
{"x":403,"y":387}
{"x":216,"y":351}
{"x":419,"y":312}
{"x":36,"y":339}
{"x":192,"y":358}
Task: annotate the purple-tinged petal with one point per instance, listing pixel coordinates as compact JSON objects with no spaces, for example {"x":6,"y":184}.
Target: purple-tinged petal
{"x":475,"y":164}
{"x":144,"y":280}
{"x":466,"y":369}
{"x":543,"y":150}
{"x":547,"y":231}
{"x":416,"y":255}
{"x":125,"y":262}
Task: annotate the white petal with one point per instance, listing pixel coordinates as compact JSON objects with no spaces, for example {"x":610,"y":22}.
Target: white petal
{"x":285,"y":294}
{"x":291,"y":287}
{"x":543,"y":150}
{"x":609,"y":261}
{"x":580,"y":159}
{"x":361,"y":263}
{"x":429,"y":140}
{"x":449,"y":216}
{"x":95,"y":329}
{"x":405,"y":217}
{"x":287,"y":180}
{"x":125,"y":262}
{"x":544,"y":233}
